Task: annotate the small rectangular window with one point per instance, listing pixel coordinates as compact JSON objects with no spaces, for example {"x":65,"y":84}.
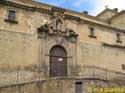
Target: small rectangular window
{"x":11,"y":15}
{"x":92,"y":31}
{"x":92,"y":34}
{"x":118,"y":36}
{"x":78,"y":87}
{"x":123,"y":67}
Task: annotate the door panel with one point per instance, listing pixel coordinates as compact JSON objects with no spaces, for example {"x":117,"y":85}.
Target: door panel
{"x":58,"y":62}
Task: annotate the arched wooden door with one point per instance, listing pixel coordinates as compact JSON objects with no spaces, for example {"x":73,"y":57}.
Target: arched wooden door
{"x":58,"y":62}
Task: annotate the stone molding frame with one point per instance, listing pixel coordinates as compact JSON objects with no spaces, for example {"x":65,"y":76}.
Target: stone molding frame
{"x":50,"y":35}
{"x":49,"y":40}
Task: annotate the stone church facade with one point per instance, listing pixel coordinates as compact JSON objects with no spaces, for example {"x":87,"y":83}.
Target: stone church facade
{"x":48,"y":49}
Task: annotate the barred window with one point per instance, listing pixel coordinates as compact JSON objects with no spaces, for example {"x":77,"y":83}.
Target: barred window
{"x":11,"y":15}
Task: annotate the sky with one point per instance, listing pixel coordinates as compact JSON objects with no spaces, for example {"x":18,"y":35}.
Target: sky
{"x":92,"y":6}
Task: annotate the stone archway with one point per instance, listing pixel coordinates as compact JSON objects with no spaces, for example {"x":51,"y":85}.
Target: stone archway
{"x":58,"y":62}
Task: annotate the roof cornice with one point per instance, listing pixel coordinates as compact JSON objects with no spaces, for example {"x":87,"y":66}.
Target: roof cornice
{"x":93,"y":23}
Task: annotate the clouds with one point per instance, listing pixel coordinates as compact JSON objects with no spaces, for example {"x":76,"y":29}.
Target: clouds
{"x":92,"y":6}
{"x":79,"y":2}
{"x":59,"y":2}
{"x":84,"y":5}
{"x":52,"y":2}
{"x":96,"y":6}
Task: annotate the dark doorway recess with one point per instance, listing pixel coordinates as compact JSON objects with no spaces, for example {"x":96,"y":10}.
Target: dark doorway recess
{"x":58,"y":62}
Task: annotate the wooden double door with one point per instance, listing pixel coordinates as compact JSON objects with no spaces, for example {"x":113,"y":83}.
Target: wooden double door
{"x":58,"y":62}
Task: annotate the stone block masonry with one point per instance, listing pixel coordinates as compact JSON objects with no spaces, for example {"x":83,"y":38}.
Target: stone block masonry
{"x":59,"y":85}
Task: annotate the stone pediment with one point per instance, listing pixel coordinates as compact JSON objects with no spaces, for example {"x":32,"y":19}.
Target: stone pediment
{"x":48,"y":29}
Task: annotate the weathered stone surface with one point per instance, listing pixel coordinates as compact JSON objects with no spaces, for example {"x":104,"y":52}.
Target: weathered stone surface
{"x":25,"y":50}
{"x":59,"y":85}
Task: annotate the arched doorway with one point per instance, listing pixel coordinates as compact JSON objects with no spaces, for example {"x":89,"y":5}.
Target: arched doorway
{"x":58,"y":62}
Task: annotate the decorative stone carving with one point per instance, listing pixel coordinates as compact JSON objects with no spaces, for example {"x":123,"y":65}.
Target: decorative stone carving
{"x":48,"y":29}
{"x":58,"y":19}
{"x":59,"y":40}
{"x":72,"y":33}
{"x":44,"y":28}
{"x":57,"y":27}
